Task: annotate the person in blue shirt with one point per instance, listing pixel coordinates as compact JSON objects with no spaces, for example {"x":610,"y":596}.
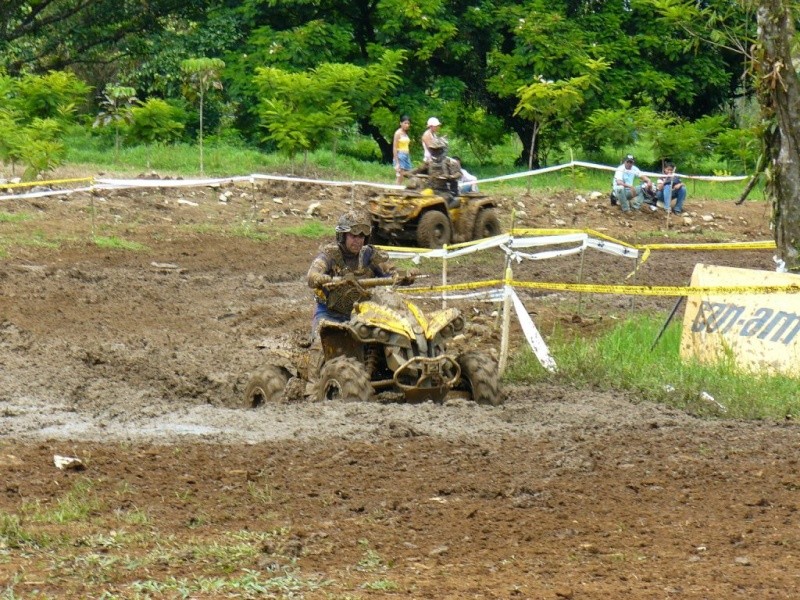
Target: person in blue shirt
{"x":670,"y":187}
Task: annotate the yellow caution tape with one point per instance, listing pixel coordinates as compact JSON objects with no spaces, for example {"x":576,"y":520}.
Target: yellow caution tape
{"x":762,"y":245}
{"x":658,"y":290}
{"x":474,"y":285}
{"x":51,"y":182}
{"x":623,"y":290}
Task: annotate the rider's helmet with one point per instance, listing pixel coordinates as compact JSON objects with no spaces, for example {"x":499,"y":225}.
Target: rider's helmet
{"x":355,"y":222}
{"x":437,"y":146}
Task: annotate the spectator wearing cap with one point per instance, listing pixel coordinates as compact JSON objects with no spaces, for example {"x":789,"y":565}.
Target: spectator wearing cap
{"x":628,"y":196}
{"x":431,"y":133}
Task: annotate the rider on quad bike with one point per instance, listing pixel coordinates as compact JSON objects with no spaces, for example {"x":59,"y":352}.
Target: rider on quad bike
{"x":349,"y":259}
{"x":367,"y":342}
{"x":442,"y":171}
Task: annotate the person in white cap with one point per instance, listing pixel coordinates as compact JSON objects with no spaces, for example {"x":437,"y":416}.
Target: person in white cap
{"x":431,"y":133}
{"x":628,"y":196}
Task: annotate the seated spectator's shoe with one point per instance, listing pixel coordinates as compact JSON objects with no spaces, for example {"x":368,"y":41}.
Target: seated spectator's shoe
{"x":659,"y":204}
{"x":677,"y":212}
{"x":613,"y":199}
{"x":653,"y":208}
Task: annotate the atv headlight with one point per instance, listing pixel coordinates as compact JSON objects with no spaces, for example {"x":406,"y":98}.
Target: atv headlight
{"x":458,"y":324}
{"x":364,"y":331}
{"x":382,"y":335}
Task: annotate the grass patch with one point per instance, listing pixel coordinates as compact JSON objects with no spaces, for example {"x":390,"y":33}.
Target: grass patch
{"x":13,"y":535}
{"x":88,"y":153}
{"x":35,"y":239}
{"x":7,"y":217}
{"x":116,"y":243}
{"x":75,"y":506}
{"x":621,"y":359}
{"x":250,"y":231}
{"x":312,"y":229}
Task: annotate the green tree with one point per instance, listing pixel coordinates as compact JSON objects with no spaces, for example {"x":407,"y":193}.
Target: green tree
{"x":202,"y":75}
{"x":156,"y":121}
{"x":49,"y":35}
{"x":116,"y":109}
{"x":34,"y":112}
{"x":545,"y":102}
{"x":39,"y":147}
{"x":301,"y":111}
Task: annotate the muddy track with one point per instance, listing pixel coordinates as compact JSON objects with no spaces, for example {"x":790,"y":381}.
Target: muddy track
{"x":137,"y":360}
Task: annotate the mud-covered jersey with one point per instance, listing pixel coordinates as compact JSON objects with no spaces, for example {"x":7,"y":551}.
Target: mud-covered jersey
{"x":370,"y":262}
{"x":443,"y":174}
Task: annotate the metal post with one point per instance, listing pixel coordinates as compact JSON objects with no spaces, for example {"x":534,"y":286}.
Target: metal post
{"x":666,"y":323}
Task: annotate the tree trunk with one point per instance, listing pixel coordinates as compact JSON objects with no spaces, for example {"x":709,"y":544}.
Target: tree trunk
{"x":779,"y":94}
{"x":529,"y":157}
{"x":384,"y":145}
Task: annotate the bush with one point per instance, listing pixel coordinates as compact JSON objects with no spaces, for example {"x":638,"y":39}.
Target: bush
{"x":156,"y":121}
{"x":361,"y":148}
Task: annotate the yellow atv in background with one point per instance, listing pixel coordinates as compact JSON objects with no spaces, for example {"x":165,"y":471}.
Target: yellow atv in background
{"x":388,"y":346}
{"x":425,"y":219}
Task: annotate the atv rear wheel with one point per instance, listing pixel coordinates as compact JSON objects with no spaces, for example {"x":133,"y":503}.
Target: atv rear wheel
{"x":479,"y":372}
{"x":265,"y":386}
{"x":486,"y":224}
{"x":343,"y":378}
{"x":433,"y":230}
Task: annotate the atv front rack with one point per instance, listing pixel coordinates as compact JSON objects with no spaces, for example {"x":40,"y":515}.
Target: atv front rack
{"x":423,"y":378}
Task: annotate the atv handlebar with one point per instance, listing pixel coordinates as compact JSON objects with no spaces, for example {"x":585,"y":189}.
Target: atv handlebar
{"x":371,"y":282}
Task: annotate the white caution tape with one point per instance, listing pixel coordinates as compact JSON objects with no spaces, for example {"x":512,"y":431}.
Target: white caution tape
{"x":548,"y":254}
{"x":45,"y":193}
{"x":612,"y":248}
{"x":110,"y":184}
{"x":548,"y":240}
{"x":495,"y":295}
{"x":532,"y":334}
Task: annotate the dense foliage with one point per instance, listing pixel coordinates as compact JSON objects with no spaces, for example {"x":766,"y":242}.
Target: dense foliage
{"x":595,"y":75}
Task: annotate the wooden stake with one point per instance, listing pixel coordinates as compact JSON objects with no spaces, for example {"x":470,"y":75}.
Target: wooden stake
{"x":444,"y":276}
{"x":504,"y":341}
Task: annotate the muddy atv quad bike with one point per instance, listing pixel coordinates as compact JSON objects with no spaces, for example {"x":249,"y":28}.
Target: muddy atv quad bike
{"x":426,"y":219}
{"x":388,"y":346}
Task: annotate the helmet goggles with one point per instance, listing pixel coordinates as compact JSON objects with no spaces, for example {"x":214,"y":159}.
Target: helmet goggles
{"x":361,"y":229}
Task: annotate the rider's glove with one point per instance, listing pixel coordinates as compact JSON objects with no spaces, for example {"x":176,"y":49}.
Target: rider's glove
{"x":406,"y":278}
{"x":318,"y":280}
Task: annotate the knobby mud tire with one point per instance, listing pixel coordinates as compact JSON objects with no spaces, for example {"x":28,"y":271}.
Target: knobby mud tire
{"x":433,"y":230}
{"x":487,"y":224}
{"x":479,"y":372}
{"x":265,"y":387}
{"x":343,"y":378}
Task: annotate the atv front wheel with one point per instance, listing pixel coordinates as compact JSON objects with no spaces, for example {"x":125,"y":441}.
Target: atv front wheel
{"x":486,"y":224}
{"x":265,"y":386}
{"x":479,"y":372}
{"x":343,"y":378}
{"x":433,"y":230}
